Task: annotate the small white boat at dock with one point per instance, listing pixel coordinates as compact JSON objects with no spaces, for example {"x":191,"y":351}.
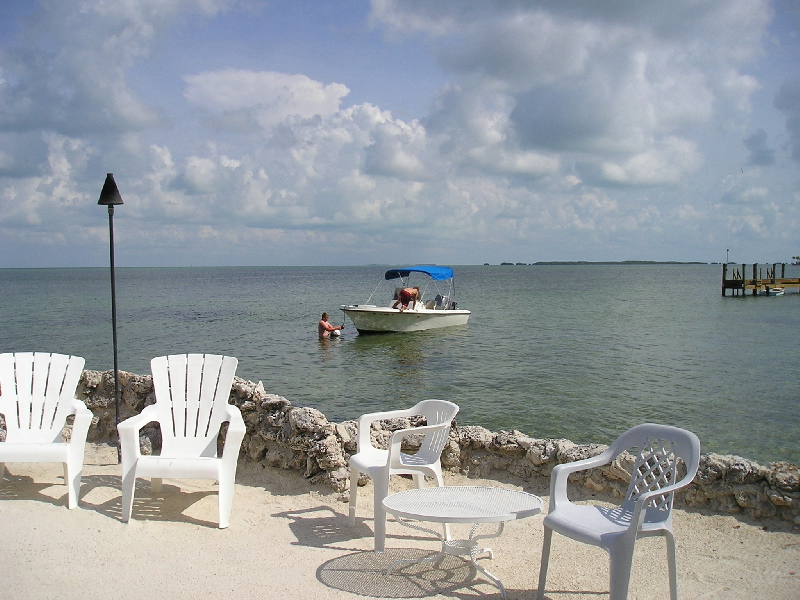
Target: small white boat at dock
{"x":774,"y":291}
{"x":435,"y":307}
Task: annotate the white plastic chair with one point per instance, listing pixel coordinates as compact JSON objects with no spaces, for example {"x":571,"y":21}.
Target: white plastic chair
{"x":37,"y":394}
{"x":191,"y":405}
{"x":645,"y":511}
{"x":381,"y":464}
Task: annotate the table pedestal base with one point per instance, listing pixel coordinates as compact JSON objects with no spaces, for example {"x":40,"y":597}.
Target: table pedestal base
{"x":466,"y":547}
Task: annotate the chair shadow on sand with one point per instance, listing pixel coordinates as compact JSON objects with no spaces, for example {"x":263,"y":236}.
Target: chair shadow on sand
{"x":169,"y":505}
{"x":364,"y":572}
{"x":23,"y":487}
{"x":322,"y":527}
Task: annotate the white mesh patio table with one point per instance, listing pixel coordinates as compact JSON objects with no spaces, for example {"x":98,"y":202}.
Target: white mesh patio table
{"x":461,"y":504}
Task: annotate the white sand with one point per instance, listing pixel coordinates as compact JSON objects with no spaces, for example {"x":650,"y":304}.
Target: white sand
{"x":288,"y":539}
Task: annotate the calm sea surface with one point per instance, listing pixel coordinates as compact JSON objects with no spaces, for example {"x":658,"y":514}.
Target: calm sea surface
{"x":568,"y":351}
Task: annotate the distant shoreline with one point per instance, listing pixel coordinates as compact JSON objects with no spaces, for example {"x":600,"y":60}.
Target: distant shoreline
{"x":602,"y":262}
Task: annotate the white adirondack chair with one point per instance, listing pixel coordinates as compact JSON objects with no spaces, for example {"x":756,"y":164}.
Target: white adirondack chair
{"x":381,"y":464}
{"x":37,"y":394}
{"x":191,"y":405}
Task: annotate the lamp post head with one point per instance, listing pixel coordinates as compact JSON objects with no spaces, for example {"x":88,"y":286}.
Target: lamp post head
{"x":109,"y":196}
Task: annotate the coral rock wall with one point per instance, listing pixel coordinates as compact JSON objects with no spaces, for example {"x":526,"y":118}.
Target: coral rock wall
{"x":303,"y":440}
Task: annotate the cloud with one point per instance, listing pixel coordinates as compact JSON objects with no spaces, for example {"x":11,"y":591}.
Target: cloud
{"x":47,"y":202}
{"x":395,"y":151}
{"x":595,"y":79}
{"x":787,"y":100}
{"x":760,"y":154}
{"x":266,"y":98}
{"x":70,"y":75}
{"x":499,"y":160}
{"x":665,"y":164}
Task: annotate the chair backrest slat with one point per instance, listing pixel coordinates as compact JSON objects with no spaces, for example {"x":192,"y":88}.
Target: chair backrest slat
{"x":223,"y":385}
{"x":159,"y":368}
{"x":207,"y":396}
{"x":195,"y":375}
{"x":55,"y":368}
{"x":23,"y":390}
{"x":177,"y":392}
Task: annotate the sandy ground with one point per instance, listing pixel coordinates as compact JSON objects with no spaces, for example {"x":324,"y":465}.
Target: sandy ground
{"x":289,"y":539}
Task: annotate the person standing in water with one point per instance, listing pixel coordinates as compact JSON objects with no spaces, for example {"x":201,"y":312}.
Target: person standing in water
{"x":324,"y":328}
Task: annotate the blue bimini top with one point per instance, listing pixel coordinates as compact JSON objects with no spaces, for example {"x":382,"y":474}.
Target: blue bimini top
{"x":436,"y":273}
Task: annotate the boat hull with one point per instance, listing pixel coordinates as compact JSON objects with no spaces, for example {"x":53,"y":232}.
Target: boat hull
{"x":381,"y":319}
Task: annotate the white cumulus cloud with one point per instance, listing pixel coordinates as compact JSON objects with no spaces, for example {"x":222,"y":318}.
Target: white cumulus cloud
{"x":268,"y":96}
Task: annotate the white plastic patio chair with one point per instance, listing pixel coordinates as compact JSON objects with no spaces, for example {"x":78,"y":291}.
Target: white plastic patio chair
{"x":645,"y":511}
{"x":191,"y":405}
{"x":37,"y":394}
{"x":381,"y":464}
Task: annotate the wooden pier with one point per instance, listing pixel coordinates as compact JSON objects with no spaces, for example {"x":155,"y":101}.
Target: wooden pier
{"x":736,"y":280}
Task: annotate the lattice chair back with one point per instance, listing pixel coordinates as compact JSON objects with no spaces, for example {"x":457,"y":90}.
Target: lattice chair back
{"x":192,"y":392}
{"x":37,"y":393}
{"x":663,"y":455}
{"x":656,"y":467}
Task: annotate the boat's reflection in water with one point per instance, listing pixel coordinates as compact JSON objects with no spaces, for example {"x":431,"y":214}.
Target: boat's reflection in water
{"x":408,"y":358}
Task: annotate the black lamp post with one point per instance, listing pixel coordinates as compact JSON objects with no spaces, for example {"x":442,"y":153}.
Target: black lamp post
{"x":110,"y":197}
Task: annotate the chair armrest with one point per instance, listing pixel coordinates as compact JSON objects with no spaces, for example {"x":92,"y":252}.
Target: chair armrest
{"x":235,"y":434}
{"x":560,"y":475}
{"x":639,"y":507}
{"x":78,"y":406}
{"x":136,"y":422}
{"x":364,"y":424}
{"x":129,"y":429}
{"x":396,"y":440}
{"x":668,"y":489}
{"x":82,"y":422}
{"x":645,"y":497}
{"x":234,"y":418}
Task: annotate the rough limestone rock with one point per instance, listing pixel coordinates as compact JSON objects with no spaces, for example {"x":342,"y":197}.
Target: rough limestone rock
{"x":303,"y":440}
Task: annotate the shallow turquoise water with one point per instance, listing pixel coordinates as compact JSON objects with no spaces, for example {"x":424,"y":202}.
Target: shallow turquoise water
{"x":574,"y":351}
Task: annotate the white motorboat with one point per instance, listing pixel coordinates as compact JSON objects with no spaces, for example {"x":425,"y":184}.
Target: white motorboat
{"x":774,"y":291}
{"x":435,"y":307}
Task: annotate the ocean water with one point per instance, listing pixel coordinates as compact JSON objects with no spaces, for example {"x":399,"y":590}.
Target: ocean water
{"x":564,"y":351}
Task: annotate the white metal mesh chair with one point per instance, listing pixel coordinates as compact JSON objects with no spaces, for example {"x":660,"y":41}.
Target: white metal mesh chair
{"x":191,"y":405}
{"x":37,"y":394}
{"x":645,"y":511}
{"x":381,"y":464}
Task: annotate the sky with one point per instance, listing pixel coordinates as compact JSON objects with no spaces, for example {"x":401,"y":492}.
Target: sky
{"x":314,"y":132}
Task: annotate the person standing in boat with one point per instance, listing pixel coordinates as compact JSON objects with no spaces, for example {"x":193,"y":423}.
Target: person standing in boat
{"x":405,"y":296}
{"x":324,"y":328}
